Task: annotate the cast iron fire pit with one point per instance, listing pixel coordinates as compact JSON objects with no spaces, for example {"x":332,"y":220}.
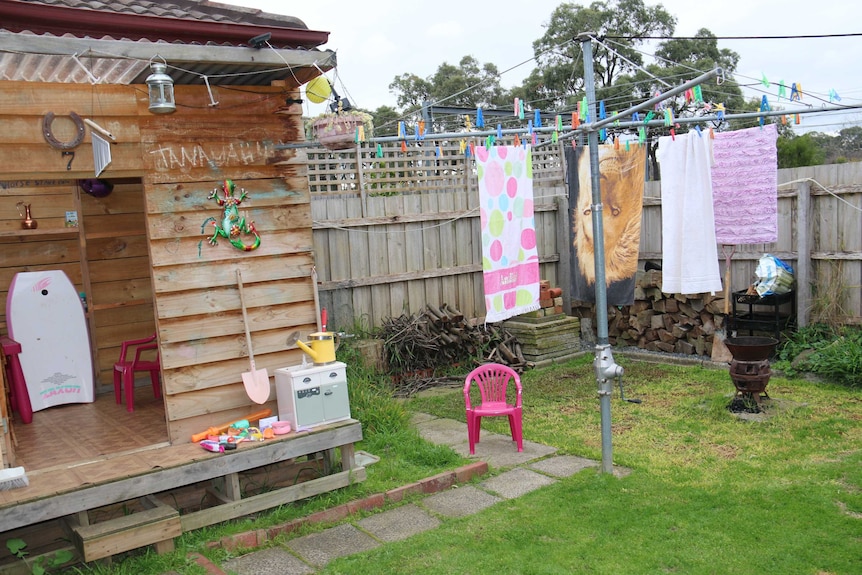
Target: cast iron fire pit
{"x":749,"y":370}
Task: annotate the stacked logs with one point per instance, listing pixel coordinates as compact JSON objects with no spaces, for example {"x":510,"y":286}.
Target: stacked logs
{"x":671,"y":323}
{"x":441,"y":337}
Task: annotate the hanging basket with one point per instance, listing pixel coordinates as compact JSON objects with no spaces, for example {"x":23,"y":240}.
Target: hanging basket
{"x":337,"y":132}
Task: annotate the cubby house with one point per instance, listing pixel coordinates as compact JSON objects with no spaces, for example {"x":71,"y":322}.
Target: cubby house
{"x":122,"y":198}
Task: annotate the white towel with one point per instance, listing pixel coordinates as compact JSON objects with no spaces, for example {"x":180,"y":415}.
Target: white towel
{"x":689,"y":251}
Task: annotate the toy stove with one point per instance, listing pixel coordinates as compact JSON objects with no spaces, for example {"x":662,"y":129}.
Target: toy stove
{"x":312,"y":395}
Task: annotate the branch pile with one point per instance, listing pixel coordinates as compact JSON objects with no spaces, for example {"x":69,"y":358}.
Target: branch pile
{"x":440,"y":337}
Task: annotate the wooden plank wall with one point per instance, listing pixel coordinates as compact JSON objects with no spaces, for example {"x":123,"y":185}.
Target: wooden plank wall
{"x":147,"y":263}
{"x":202,"y":340}
{"x":396,"y":232}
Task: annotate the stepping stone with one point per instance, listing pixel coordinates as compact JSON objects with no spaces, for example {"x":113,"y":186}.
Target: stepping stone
{"x":459,"y":501}
{"x":564,"y":465}
{"x":321,"y":548}
{"x":399,"y":523}
{"x":272,"y":561}
{"x":516,"y":482}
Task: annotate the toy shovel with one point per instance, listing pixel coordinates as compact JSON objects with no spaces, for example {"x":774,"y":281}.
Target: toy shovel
{"x":256,"y":381}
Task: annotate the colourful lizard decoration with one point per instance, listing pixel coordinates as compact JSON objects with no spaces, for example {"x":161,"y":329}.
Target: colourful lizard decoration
{"x":232,"y":224}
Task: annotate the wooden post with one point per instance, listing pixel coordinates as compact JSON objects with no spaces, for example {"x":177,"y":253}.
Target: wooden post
{"x":564,"y":248}
{"x":803,"y":253}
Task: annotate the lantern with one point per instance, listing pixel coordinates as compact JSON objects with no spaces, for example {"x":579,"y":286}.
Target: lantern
{"x":161,"y":88}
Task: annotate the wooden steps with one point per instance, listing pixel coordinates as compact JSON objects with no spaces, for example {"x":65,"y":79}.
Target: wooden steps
{"x":156,"y":525}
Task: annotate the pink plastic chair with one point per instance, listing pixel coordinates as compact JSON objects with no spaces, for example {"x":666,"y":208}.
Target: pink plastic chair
{"x":492,"y":380}
{"x":124,"y":370}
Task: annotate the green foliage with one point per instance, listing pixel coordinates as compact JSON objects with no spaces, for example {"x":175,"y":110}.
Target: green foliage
{"x":41,"y":565}
{"x":832,"y":352}
{"x":558,"y":53}
{"x":796,"y":151}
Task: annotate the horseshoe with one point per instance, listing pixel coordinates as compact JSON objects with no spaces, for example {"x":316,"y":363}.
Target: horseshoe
{"x":54,"y":142}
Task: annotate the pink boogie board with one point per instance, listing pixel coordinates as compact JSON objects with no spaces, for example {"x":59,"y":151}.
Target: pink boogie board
{"x":44,"y":314}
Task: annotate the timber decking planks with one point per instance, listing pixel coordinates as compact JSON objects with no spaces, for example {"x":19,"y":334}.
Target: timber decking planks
{"x":54,"y":495}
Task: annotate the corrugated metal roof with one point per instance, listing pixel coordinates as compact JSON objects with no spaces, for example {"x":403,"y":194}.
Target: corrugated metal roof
{"x":38,"y":55}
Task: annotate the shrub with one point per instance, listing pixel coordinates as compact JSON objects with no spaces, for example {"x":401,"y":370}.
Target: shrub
{"x":834,"y":353}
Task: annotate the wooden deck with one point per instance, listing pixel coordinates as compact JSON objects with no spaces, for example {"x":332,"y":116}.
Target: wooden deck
{"x":75,"y":468}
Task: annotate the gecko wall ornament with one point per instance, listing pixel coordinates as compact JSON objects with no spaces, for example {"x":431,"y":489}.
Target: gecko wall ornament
{"x":232,"y":225}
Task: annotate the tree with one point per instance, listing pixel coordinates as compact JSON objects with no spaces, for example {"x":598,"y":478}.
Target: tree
{"x":468,"y":85}
{"x":796,"y":151}
{"x":623,"y":23}
{"x":385,"y":121}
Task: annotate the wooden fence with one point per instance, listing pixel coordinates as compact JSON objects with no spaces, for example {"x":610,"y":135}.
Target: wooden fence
{"x":396,"y":230}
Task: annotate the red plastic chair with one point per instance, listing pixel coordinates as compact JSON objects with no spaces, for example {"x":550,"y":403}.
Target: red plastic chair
{"x":124,"y":370}
{"x":492,"y":380}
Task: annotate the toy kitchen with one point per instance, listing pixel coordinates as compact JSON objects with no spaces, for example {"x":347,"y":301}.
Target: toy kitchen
{"x":316,"y":394}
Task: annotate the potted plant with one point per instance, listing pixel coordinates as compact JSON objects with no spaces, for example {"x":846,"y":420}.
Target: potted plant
{"x":337,"y":130}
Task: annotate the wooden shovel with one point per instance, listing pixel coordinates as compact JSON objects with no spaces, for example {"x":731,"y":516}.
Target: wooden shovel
{"x":256,"y":381}
{"x":720,"y":353}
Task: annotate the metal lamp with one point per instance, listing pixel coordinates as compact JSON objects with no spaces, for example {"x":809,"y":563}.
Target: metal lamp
{"x":161,"y":88}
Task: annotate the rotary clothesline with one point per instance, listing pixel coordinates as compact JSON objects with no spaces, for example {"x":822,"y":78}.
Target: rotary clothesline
{"x":587,"y":127}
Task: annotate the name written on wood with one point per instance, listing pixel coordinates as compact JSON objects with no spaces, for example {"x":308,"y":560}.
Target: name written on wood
{"x":180,"y":156}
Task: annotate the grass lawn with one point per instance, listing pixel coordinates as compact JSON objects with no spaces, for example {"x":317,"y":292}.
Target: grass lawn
{"x":709,"y":492}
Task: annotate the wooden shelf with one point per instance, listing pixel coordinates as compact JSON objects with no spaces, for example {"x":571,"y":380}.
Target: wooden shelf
{"x":71,"y":232}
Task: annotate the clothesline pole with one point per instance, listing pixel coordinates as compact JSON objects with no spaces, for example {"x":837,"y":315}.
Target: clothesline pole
{"x":606,"y":368}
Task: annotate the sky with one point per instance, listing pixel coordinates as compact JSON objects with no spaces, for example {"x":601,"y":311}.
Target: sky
{"x":378,"y":40}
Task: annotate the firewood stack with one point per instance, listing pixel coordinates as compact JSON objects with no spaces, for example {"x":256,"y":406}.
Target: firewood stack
{"x":441,"y":336}
{"x":657,"y":321}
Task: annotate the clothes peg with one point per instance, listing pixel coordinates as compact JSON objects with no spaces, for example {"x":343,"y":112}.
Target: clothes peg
{"x":627,"y":146}
{"x":833,"y":96}
{"x":517,"y":141}
{"x":517,"y":106}
{"x":555,"y":137}
{"x":574,"y":144}
{"x":668,"y":117}
{"x":534,"y":139}
{"x":462,"y":146}
{"x":530,"y":126}
{"x":403,"y":145}
{"x":672,"y":135}
{"x":698,"y":94}
{"x":576,"y":120}
{"x":499,"y":131}
{"x":559,"y":123}
{"x":602,"y":113}
{"x":480,"y":118}
{"x":699,"y":133}
{"x":379,"y":151}
{"x":763,"y":80}
{"x":537,"y":121}
{"x":521,"y":110}
{"x":796,"y":92}
{"x":711,"y":134}
{"x":782,"y":90}
{"x":641,"y":134}
{"x":617,"y":143}
{"x":422,"y":129}
{"x":636,"y":117}
{"x":437,"y":151}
